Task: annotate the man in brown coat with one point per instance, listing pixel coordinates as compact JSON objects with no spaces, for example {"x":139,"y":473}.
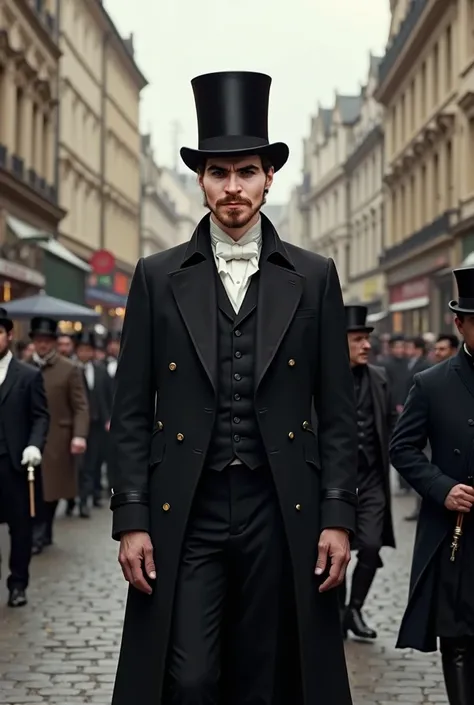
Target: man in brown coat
{"x":69,"y":426}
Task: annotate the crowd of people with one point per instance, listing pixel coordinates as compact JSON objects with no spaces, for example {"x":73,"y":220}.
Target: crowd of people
{"x":55,"y":409}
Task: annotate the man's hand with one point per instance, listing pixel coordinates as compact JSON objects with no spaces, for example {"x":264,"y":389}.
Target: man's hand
{"x":136,"y":557}
{"x":78,"y":446}
{"x":460,"y":499}
{"x":334,"y":546}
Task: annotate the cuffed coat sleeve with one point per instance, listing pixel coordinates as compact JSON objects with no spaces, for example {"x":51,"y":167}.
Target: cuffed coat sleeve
{"x":336,"y":410}
{"x":132,"y":413}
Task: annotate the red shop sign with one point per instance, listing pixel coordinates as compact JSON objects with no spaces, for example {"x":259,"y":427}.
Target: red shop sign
{"x":102,"y":262}
{"x":413,"y":289}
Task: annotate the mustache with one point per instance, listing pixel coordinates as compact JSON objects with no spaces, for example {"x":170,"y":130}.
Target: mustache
{"x":226,"y":201}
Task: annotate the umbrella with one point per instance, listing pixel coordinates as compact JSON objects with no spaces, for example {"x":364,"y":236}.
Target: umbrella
{"x":50,"y":307}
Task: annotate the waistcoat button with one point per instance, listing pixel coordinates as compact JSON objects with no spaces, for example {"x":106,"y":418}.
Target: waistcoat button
{"x":180,"y":437}
{"x":291,"y":362}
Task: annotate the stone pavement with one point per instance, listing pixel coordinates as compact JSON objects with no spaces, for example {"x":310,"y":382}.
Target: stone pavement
{"x":62,"y":648}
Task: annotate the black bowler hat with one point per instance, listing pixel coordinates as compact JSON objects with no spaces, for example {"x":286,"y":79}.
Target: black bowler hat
{"x":232,"y":114}
{"x":5,"y":322}
{"x":465,"y":282}
{"x":356,"y":319}
{"x":43,"y":326}
{"x":85,"y":337}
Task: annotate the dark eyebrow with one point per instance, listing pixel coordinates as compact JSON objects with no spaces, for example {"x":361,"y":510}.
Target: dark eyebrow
{"x":242,"y":168}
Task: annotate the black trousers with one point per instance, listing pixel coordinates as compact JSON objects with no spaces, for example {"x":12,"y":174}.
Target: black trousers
{"x":15,"y":509}
{"x":231,"y":602}
{"x":369,"y":540}
{"x":90,"y":463}
{"x":458,"y":669}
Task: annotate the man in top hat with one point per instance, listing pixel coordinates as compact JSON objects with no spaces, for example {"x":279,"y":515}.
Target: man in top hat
{"x":233,"y":511}
{"x":69,"y":426}
{"x":112,"y":347}
{"x":439,"y":410}
{"x":99,"y":396}
{"x":376,"y":416}
{"x":24,"y":422}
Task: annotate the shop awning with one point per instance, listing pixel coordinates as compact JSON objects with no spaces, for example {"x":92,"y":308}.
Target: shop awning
{"x":410,"y":304}
{"x":376,"y":317}
{"x":45,"y":240}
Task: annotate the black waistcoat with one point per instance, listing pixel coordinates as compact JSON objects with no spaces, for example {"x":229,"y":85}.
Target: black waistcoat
{"x":236,"y":433}
{"x":366,"y":431}
{"x":93,"y":399}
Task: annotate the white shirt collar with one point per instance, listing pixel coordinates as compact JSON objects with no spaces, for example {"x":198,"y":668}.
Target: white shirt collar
{"x":5,"y":361}
{"x":252,"y":235}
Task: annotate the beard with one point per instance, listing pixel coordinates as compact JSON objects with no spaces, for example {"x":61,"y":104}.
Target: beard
{"x":235,"y":217}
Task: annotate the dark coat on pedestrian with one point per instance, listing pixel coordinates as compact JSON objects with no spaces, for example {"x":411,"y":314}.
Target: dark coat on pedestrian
{"x":385,"y":419}
{"x":69,"y":412}
{"x":24,"y":410}
{"x":169,"y":349}
{"x":398,"y":376}
{"x":439,"y":410}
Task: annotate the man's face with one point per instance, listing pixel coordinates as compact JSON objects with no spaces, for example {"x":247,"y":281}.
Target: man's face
{"x":5,"y":340}
{"x":99,"y":354}
{"x":113,"y":348}
{"x":443,"y":350}
{"x":234,"y":190}
{"x":410,"y":350}
{"x":44,"y":344}
{"x":359,"y":347}
{"x":397,"y":349}
{"x":65,"y":346}
{"x":466,"y":329}
{"x":85,"y":353}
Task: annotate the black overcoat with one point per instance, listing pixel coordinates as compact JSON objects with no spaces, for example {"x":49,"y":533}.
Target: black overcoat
{"x":163,"y":419}
{"x":439,"y":409}
{"x":385,"y":419}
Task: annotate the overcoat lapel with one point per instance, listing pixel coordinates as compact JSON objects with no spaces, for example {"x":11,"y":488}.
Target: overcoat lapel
{"x":279,"y":294}
{"x":194,"y":289}
{"x":464,"y":370}
{"x":378,"y":399}
{"x":10,"y":379}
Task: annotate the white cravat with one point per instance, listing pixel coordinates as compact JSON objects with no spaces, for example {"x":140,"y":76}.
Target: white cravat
{"x":89,"y":374}
{"x":4,"y":365}
{"x":236,"y":262}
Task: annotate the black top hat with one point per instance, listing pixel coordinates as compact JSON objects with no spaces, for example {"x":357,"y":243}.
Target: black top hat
{"x":465,"y":281}
{"x":356,"y":319}
{"x":232,"y":114}
{"x":43,"y":326}
{"x":85,"y":337}
{"x":5,"y":322}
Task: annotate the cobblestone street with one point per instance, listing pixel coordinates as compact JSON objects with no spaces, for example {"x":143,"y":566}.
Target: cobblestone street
{"x":62,"y":648}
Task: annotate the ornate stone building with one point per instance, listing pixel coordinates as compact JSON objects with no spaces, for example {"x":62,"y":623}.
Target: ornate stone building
{"x":364,"y":171}
{"x":29,"y":211}
{"x":425,"y":144}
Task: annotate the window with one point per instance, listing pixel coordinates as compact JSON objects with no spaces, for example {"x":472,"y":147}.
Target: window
{"x":402,"y":118}
{"x":19,"y":120}
{"x":435,"y":75}
{"x":423,"y":90}
{"x":470,"y":28}
{"x":449,"y":59}
{"x":436,"y":203}
{"x":413,"y":105}
{"x":423,"y":200}
{"x":449,"y":173}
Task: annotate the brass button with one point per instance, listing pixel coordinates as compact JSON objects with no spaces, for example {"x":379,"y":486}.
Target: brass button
{"x":298,"y":507}
{"x":180,"y":437}
{"x":172,"y":366}
{"x":291,"y":435}
{"x":305,"y":425}
{"x":166,"y":507}
{"x":159,"y":425}
{"x":291,"y":362}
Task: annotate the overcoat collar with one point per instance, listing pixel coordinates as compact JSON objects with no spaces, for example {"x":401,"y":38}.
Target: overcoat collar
{"x":464,"y":369}
{"x":194,"y":289}
{"x":10,"y":379}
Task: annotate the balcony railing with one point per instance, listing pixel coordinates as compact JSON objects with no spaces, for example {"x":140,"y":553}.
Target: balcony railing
{"x":439,"y":226}
{"x":52,"y":194}
{"x":41,"y":185}
{"x":18,"y":166}
{"x":408,"y":25}
{"x":32,"y":178}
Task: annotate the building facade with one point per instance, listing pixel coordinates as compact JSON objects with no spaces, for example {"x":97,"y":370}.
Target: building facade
{"x":325,"y":189}
{"x":426,"y":138}
{"x":29,"y":212}
{"x":99,"y":150}
{"x":185,"y":193}
{"x":364,"y":172}
{"x":160,"y":221}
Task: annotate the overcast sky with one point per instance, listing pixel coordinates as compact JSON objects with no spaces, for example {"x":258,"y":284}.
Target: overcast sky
{"x":309,"y":47}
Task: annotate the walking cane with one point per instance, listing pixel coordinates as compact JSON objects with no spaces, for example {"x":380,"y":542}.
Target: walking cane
{"x":31,"y":485}
{"x":458,"y":530}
